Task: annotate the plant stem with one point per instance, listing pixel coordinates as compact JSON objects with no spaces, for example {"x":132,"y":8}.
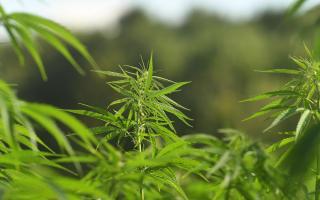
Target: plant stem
{"x":140,"y":150}
{"x":140,"y":130}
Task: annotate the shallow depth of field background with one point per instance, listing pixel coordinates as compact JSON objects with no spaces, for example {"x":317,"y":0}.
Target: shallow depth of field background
{"x":217,"y":45}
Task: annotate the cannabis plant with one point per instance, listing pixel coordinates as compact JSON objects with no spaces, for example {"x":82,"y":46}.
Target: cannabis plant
{"x":30,"y":167}
{"x":300,"y":97}
{"x":135,"y":152}
{"x":144,"y":158}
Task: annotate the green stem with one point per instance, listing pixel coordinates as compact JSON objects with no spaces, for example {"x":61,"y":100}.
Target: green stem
{"x":140,"y":130}
{"x":140,"y":150}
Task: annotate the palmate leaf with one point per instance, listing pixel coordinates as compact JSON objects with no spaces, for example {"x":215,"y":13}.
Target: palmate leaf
{"x":56,"y":29}
{"x":144,"y":103}
{"x":20,"y":27}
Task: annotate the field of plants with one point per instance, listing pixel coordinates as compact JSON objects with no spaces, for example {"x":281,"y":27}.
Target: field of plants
{"x":133,"y":147}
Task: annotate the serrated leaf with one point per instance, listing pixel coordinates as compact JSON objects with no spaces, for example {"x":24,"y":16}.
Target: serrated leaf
{"x":303,"y":122}
{"x":56,"y":29}
{"x":170,"y":89}
{"x":283,"y":116}
{"x":272,"y":94}
{"x":280,"y":144}
{"x":171,"y":147}
{"x":150,"y":74}
{"x":59,"y":46}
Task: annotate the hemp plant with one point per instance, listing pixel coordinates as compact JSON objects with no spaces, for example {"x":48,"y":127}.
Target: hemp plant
{"x":300,"y":96}
{"x":142,"y":114}
{"x":160,"y":164}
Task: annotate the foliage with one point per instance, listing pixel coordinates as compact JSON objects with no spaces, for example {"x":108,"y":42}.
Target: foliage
{"x":159,"y":162}
{"x":299,"y":96}
{"x":136,"y":152}
{"x":21,"y":26}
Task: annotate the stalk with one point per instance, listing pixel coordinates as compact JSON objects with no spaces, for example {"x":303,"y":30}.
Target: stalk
{"x":140,"y":150}
{"x":140,"y":131}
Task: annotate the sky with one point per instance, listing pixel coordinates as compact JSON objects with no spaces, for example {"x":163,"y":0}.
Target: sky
{"x":95,"y":14}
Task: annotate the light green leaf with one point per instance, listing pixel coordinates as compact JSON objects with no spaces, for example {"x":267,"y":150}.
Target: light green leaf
{"x":283,"y":116}
{"x":272,"y":94}
{"x":56,"y":29}
{"x":31,"y":46}
{"x":168,"y":90}
{"x":303,"y":122}
{"x":280,"y":71}
{"x":150,"y":74}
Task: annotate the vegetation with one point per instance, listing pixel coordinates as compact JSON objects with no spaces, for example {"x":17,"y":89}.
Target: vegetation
{"x":135,"y":150}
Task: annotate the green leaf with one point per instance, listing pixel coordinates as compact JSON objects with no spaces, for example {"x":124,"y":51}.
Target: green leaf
{"x":56,"y":29}
{"x":283,"y":116}
{"x":163,"y":178}
{"x":66,"y":119}
{"x":303,"y":122}
{"x":280,"y":144}
{"x":300,"y":62}
{"x":110,"y":73}
{"x":171,"y":148}
{"x":220,"y":164}
{"x":295,"y":7}
{"x":272,"y":94}
{"x":257,"y":114}
{"x":30,"y":45}
{"x":298,"y":160}
{"x":59,"y":46}
{"x":92,"y":114}
{"x":170,"y":89}
{"x":150,"y":74}
{"x":274,"y":105}
{"x":52,"y":128}
{"x":12,"y":37}
{"x":280,"y":71}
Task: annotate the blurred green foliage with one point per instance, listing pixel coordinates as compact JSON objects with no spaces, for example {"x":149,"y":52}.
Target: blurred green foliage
{"x":217,"y":55}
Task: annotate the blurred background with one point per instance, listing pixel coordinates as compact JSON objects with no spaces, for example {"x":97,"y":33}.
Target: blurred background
{"x":215,"y":44}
